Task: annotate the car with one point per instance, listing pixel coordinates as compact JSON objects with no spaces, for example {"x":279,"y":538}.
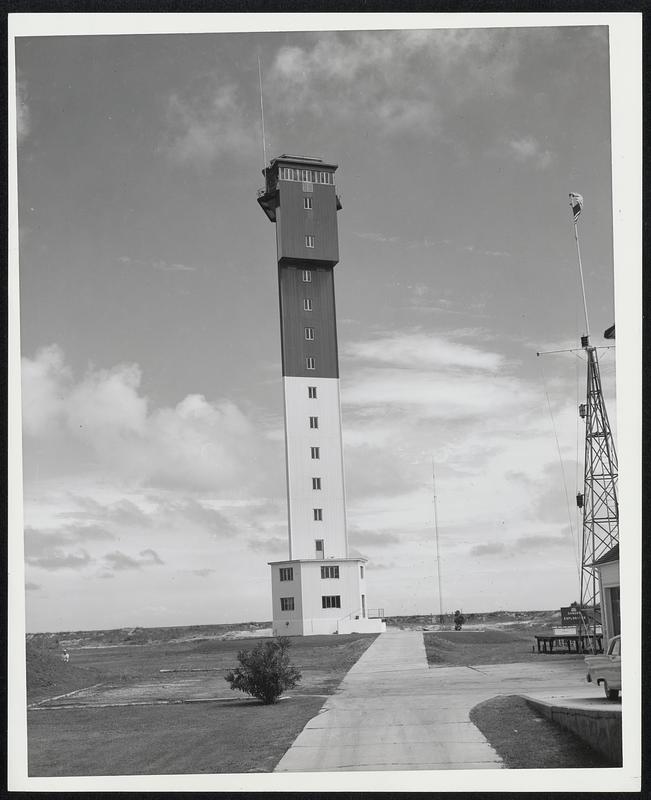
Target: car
{"x":606,"y":669}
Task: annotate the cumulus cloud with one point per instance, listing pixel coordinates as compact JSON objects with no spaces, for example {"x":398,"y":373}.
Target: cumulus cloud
{"x":194,"y":445}
{"x":207,"y":120}
{"x":527,"y":149}
{"x":30,"y":586}
{"x":399,"y":81}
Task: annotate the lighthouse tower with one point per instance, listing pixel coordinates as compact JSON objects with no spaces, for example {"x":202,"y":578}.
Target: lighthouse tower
{"x":318,"y":589}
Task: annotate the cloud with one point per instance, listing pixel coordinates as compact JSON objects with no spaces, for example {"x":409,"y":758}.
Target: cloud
{"x":275,"y":545}
{"x":523,"y":544}
{"x":119,"y":561}
{"x":207,"y":121}
{"x":159,"y":264}
{"x":373,"y":538}
{"x":44,"y":381}
{"x":53,"y":549}
{"x":399,"y":81}
{"x":203,"y":573}
{"x":122,"y":512}
{"x":378,"y":237}
{"x":30,"y":586}
{"x":104,"y":419}
{"x":418,"y":350}
{"x":528,"y":150}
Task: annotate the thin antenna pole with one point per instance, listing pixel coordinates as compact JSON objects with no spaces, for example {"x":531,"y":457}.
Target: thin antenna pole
{"x":264,"y":145}
{"x":578,"y":252}
{"x":438,"y":555}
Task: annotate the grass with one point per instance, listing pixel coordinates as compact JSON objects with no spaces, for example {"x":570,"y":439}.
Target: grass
{"x":466,"y":648}
{"x":526,"y":740}
{"x":232,"y":734}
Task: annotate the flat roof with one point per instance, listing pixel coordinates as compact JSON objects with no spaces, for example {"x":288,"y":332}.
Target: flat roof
{"x":307,"y":160}
{"x":314,"y":560}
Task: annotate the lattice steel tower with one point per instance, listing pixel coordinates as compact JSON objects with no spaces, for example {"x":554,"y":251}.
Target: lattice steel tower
{"x":599,"y":497}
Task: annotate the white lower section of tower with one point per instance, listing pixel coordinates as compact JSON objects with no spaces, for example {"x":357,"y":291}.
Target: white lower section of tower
{"x":315,"y":471}
{"x":318,"y":590}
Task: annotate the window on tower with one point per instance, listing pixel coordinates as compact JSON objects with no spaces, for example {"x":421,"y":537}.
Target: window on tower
{"x":307,"y":304}
{"x":314,"y":422}
{"x":311,"y":392}
{"x":307,"y":203}
{"x":316,"y":484}
{"x":332,"y":601}
{"x":330,"y":572}
{"x":361,"y":570}
{"x":307,"y":274}
{"x":309,"y":241}
{"x":318,"y":514}
{"x":318,"y":546}
{"x":310,"y":362}
{"x":286,"y":603}
{"x":287,"y":573}
{"x":315,"y":451}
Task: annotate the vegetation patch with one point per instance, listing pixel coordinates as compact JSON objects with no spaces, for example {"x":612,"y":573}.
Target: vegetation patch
{"x":230,"y":734}
{"x":472,"y":648}
{"x":524,"y":739}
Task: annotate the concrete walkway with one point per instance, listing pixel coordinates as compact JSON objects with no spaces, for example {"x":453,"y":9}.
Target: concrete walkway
{"x":393,"y":712}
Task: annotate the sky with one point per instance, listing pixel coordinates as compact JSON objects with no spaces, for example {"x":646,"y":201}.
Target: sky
{"x":153,"y":455}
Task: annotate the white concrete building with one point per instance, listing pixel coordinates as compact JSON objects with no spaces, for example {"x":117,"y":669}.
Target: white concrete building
{"x":318,"y":589}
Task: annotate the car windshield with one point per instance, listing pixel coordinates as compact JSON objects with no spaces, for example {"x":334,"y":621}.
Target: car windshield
{"x":614,"y":647}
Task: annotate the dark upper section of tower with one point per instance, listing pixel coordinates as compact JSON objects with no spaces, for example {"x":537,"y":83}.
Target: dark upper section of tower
{"x":300,"y":197}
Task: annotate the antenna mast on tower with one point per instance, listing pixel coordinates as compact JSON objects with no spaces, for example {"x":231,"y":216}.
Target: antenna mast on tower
{"x":438,"y":555}
{"x":599,"y":497}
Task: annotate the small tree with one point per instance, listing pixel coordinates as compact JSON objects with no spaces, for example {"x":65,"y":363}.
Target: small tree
{"x":265,"y":672}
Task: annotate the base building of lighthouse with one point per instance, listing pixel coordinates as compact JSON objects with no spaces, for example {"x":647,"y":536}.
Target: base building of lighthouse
{"x":318,"y":589}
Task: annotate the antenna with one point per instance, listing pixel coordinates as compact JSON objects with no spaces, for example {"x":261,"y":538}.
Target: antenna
{"x":438,"y":555}
{"x":264,"y":145}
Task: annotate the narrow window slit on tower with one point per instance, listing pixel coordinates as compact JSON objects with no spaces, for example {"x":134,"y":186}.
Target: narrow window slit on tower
{"x":315,"y":452}
{"x":307,"y":304}
{"x":310,"y":362}
{"x":307,"y":203}
{"x":318,"y":514}
{"x":309,"y":334}
{"x":309,"y":241}
{"x":311,"y":392}
{"x":314,"y":422}
{"x":307,"y":274}
{"x":316,"y":484}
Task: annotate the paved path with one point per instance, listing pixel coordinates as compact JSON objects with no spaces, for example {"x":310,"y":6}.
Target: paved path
{"x":393,"y":712}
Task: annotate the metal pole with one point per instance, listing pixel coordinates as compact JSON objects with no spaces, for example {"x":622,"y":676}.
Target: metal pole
{"x":585,"y":305}
{"x":438,"y":555}
{"x":264,"y":146}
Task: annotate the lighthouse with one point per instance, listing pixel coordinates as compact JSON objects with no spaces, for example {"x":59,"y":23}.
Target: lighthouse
{"x":318,"y":589}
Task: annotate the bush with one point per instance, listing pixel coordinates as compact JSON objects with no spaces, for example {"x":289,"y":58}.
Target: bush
{"x":265,"y":672}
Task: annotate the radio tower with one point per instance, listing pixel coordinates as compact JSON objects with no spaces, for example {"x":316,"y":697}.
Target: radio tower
{"x":599,"y":497}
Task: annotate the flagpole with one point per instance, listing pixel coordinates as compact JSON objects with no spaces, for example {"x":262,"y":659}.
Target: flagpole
{"x":578,"y":252}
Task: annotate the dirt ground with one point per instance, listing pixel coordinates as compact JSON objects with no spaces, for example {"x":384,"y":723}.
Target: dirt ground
{"x":166,"y":708}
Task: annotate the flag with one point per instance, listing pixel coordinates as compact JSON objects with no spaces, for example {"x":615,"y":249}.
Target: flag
{"x":576,"y":201}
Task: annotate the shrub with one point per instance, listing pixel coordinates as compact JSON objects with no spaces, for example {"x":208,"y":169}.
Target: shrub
{"x":265,"y":672}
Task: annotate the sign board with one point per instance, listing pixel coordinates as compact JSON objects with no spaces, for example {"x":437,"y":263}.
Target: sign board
{"x":570,"y":615}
